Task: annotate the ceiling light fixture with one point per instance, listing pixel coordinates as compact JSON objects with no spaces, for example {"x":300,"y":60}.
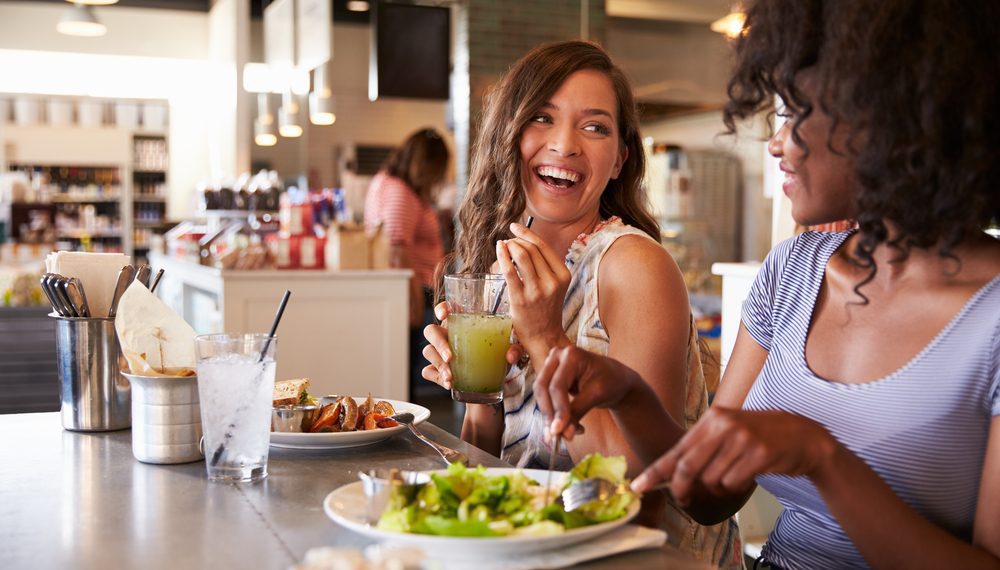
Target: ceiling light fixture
{"x":730,"y":25}
{"x":321,"y":102}
{"x":81,"y":21}
{"x":357,"y":6}
{"x":263,"y":125}
{"x":94,"y":2}
{"x":288,"y":116}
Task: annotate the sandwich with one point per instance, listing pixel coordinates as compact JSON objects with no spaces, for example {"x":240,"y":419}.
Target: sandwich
{"x":291,"y":392}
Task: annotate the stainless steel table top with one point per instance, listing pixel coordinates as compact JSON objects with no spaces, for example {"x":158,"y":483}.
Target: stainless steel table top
{"x":80,"y":500}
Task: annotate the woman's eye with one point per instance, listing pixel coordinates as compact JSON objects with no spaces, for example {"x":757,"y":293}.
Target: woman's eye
{"x":598,"y":128}
{"x":541,"y":119}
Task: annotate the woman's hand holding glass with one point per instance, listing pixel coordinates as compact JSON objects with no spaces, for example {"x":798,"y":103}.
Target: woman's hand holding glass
{"x":438,"y":353}
{"x":537,"y":280}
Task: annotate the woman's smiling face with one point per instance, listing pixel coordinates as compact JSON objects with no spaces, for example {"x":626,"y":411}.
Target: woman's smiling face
{"x":817,"y":168}
{"x":570,"y":148}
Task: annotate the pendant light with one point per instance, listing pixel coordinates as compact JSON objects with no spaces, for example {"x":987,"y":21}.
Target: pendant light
{"x":94,"y":2}
{"x":731,"y":25}
{"x":321,"y":102}
{"x":288,"y":116}
{"x":263,"y":125}
{"x":80,"y":20}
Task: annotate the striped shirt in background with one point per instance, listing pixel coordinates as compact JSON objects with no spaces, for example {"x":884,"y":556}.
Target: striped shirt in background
{"x":411,"y":224}
{"x":923,"y":428}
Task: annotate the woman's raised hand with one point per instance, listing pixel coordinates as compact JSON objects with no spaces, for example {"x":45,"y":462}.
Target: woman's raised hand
{"x":438,"y":352}
{"x":573,"y":381}
{"x":537,"y":279}
{"x":728,"y":448}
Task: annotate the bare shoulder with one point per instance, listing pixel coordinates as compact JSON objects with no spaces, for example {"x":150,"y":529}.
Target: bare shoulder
{"x":636,"y":265}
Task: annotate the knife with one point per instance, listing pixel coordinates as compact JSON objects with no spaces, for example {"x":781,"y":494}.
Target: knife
{"x":74,"y":291}
{"x":125,"y":277}
{"x":142,"y":275}
{"x":47,"y":289}
{"x":62,"y":307}
{"x":156,"y":281}
{"x":62,"y":289}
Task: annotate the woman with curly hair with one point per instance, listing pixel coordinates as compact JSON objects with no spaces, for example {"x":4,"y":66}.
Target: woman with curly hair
{"x":864,"y":387}
{"x":560,"y":143}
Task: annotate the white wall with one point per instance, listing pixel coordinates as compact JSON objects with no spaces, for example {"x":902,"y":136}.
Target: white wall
{"x":701,"y":131}
{"x":146,"y":54}
{"x":132,"y":31}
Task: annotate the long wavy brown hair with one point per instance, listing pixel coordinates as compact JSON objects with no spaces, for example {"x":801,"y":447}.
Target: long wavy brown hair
{"x":495,"y":196}
{"x":421,"y":161}
{"x":917,"y":84}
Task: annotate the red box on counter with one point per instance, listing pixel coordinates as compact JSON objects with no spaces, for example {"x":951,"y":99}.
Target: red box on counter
{"x":297,"y":252}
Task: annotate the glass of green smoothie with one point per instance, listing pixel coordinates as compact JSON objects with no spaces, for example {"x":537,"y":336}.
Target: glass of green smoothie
{"x":479,"y":327}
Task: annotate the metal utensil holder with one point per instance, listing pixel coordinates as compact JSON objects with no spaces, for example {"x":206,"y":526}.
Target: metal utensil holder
{"x":95,"y":396}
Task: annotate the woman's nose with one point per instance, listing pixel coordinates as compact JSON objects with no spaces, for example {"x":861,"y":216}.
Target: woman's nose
{"x":562,"y":140}
{"x":775,"y":146}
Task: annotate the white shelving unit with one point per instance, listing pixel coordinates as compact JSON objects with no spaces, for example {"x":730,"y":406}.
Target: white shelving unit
{"x":138,"y":155}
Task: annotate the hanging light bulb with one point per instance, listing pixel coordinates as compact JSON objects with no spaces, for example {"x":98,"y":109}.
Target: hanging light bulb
{"x":81,"y":21}
{"x":263,"y":125}
{"x":321,"y":102}
{"x":288,"y":116}
{"x":730,"y":25}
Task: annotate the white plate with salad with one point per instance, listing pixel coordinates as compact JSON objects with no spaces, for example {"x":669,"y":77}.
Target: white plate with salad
{"x":486,"y":532}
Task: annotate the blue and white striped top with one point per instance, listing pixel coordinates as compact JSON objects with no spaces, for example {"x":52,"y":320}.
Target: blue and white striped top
{"x":923,"y":428}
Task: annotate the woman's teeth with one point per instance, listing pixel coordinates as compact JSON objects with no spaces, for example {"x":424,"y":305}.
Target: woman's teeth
{"x":558,"y":176}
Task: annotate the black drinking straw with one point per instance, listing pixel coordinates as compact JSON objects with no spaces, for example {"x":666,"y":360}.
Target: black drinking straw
{"x":219,"y":451}
{"x":274,"y":325}
{"x":503,"y":287}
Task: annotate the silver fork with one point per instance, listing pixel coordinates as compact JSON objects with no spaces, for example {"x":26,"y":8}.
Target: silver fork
{"x":448,"y":454}
{"x":581,"y":492}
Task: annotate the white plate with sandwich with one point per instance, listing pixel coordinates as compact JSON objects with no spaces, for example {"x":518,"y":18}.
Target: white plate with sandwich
{"x":300,"y":421}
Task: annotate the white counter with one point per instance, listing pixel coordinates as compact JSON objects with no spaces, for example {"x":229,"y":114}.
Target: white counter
{"x":345,"y":330}
{"x":736,"y":281}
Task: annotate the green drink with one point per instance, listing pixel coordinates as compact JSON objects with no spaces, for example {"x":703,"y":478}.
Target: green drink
{"x":479,"y":326}
{"x":479,"y":343}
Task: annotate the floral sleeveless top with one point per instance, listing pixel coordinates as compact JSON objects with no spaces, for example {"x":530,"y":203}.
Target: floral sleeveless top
{"x":523,"y":443}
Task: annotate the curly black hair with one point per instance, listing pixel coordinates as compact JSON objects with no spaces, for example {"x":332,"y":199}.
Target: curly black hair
{"x":915,"y":82}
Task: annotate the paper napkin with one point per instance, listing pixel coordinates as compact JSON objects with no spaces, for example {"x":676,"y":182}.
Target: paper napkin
{"x":155,"y":341}
{"x":624,"y":539}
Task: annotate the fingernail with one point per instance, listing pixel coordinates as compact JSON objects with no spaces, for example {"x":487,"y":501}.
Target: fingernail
{"x":516,"y":227}
{"x":638,"y":484}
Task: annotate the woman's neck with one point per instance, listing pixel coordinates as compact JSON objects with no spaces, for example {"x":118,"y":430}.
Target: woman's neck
{"x":560,"y":235}
{"x":924,"y":264}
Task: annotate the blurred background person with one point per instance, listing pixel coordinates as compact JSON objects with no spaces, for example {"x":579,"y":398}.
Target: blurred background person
{"x":401,"y":198}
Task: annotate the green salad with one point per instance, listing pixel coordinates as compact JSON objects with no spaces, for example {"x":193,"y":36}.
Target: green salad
{"x":468,"y":502}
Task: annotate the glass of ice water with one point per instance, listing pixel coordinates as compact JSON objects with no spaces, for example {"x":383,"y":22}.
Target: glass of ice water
{"x":235,"y":386}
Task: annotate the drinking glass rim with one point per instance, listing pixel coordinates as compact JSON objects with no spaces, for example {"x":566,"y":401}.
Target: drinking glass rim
{"x":230,"y":337}
{"x":475,"y":276}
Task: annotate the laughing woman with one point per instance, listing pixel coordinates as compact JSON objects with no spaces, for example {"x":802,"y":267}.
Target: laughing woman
{"x":560,"y":142}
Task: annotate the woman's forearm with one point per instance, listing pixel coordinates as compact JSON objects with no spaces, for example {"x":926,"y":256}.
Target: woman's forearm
{"x":646,"y":425}
{"x":483,"y":426}
{"x":887,"y":532}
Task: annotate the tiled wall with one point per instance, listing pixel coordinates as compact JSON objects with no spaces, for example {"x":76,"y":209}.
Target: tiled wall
{"x":498,"y":32}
